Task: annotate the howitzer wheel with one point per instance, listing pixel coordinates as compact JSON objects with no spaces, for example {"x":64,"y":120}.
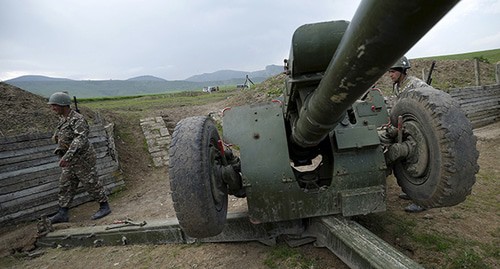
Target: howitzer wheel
{"x":198,"y":192}
{"x":442,"y":167}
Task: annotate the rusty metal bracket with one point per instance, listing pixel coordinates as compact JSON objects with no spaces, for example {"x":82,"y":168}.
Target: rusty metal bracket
{"x":125,"y":223}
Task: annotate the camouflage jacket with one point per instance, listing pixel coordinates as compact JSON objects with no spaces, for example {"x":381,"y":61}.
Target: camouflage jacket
{"x":71,"y":137}
{"x":410,"y":82}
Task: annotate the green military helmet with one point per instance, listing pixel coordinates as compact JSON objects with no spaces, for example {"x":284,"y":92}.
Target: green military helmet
{"x":60,"y":98}
{"x":401,"y":64}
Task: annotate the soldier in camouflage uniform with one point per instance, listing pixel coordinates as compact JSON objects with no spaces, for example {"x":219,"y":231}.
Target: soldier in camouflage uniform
{"x":403,"y":82}
{"x":78,"y":159}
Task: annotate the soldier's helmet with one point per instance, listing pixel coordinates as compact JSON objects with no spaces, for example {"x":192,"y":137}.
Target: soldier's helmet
{"x":59,"y":98}
{"x":402,"y":64}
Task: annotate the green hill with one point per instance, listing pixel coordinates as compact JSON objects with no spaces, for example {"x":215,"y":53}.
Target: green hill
{"x":487,"y":56}
{"x":107,"y":88}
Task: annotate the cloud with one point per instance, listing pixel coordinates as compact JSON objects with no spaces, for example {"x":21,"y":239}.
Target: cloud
{"x":176,"y":39}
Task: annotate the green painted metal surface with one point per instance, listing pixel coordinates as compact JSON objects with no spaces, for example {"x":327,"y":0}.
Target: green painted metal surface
{"x":271,"y":184}
{"x":369,"y":46}
{"x":167,"y":231}
{"x":313,"y":46}
{"x":272,"y":190}
{"x":352,"y":243}
{"x":356,"y":246}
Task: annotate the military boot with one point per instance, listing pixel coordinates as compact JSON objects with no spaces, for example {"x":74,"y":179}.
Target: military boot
{"x":61,"y":216}
{"x":103,"y":211}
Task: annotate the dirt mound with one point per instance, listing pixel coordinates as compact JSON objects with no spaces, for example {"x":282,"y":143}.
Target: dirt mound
{"x":23,"y":112}
{"x":447,"y":74}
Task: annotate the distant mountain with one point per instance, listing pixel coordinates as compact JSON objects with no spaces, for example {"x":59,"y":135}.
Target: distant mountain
{"x":37,"y":78}
{"x":222,"y":75}
{"x":45,"y":86}
{"x":217,"y":76}
{"x":146,"y":78}
{"x":270,"y":71}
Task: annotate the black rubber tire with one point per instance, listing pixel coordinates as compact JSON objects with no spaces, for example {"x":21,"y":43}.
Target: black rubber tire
{"x":448,"y":145}
{"x":201,"y":208}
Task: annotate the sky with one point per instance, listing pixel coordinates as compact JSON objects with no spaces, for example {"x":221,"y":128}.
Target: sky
{"x":176,"y":39}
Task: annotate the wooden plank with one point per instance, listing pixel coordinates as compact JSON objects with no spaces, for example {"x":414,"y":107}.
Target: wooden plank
{"x":474,"y":100}
{"x":474,"y":95}
{"x":493,"y":108}
{"x":468,"y":91}
{"x":98,"y":139}
{"x":101,"y":144}
{"x":105,"y":162}
{"x":483,"y":99}
{"x":28,"y":151}
{"x":27,"y":137}
{"x":30,"y":174}
{"x":14,"y":201}
{"x":21,"y":142}
{"x":475,"y":88}
{"x":30,"y":214}
{"x":485,"y":121}
{"x":96,"y":128}
{"x":22,"y":158}
{"x":14,"y":185}
{"x":28,"y":164}
{"x":28,"y":170}
{"x":484,"y":113}
{"x":100,"y":133}
{"x":103,"y":166}
{"x":27,"y":144}
{"x":36,"y":173}
{"x":25,"y":184}
{"x":37,"y":210}
{"x":46,"y":196}
{"x":49,"y":184}
{"x":27,"y":148}
{"x":34,"y":159}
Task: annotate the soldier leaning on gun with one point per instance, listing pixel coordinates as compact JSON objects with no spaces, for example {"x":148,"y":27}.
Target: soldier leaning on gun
{"x":403,"y":82}
{"x":78,"y":159}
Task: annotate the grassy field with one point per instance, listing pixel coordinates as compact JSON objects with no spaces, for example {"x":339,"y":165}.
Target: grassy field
{"x":155,"y":101}
{"x":487,"y":56}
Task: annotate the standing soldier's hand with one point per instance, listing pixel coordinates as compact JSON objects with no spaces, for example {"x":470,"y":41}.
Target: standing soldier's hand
{"x":63,"y":163}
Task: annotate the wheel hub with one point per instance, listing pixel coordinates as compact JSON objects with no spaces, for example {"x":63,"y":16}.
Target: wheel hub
{"x":216,"y":178}
{"x":417,"y":162}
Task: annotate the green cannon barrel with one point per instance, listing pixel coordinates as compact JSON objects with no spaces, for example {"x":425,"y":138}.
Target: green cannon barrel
{"x":380,"y":32}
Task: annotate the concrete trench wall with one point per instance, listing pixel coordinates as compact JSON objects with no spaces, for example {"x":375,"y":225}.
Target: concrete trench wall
{"x":29,"y":174}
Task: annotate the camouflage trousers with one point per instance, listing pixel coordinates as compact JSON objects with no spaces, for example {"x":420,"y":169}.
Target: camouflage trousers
{"x":80,"y":171}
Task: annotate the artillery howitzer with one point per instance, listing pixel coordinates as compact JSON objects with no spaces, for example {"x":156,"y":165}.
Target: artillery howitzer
{"x":329,"y":115}
{"x":329,"y":110}
{"x":324,"y":151}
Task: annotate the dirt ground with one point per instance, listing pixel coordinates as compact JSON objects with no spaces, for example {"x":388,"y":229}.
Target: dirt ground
{"x":147,"y":196}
